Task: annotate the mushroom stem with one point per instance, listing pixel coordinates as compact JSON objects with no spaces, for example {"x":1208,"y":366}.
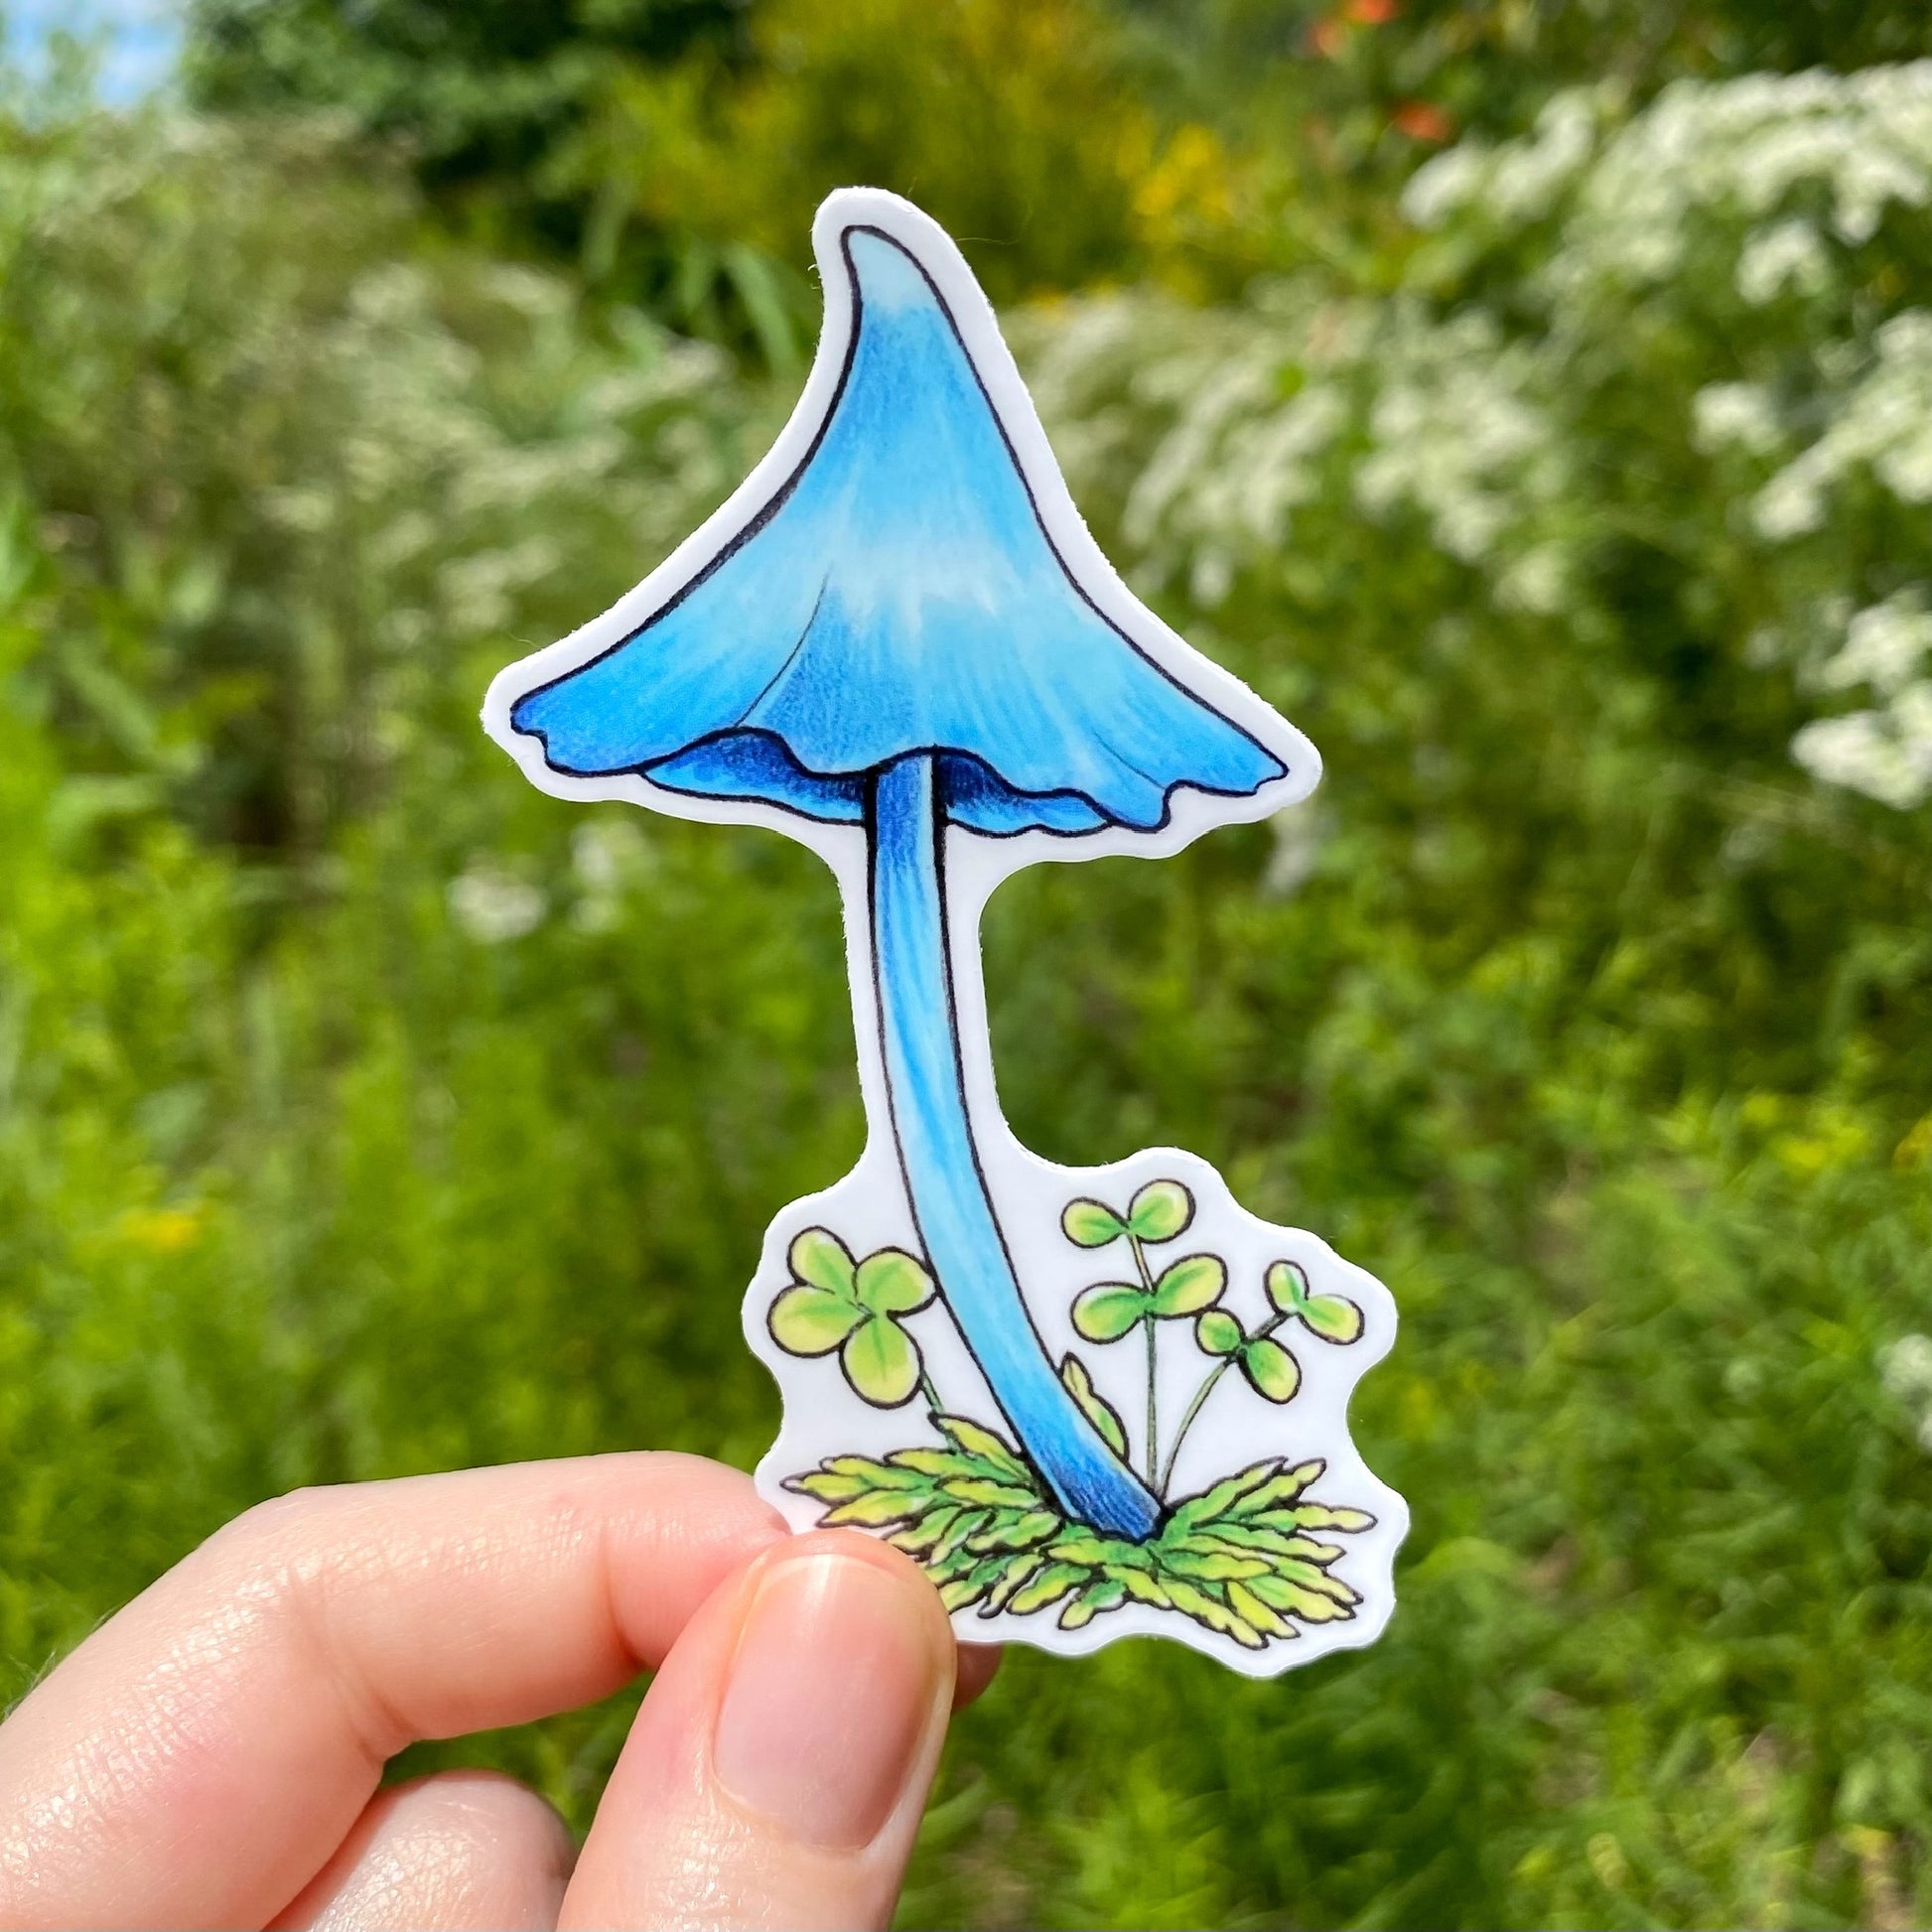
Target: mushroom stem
{"x":944,"y":1183}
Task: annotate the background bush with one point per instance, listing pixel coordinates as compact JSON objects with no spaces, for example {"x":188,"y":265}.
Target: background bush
{"x":362,"y":1111}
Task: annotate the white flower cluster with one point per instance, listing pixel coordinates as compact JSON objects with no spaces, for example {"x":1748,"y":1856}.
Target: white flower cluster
{"x":1517,"y":183}
{"x":1691,"y":312}
{"x":1735,"y":416}
{"x":381,"y":459}
{"x":1851,"y":145}
{"x":1882,"y":425}
{"x":1906,"y":1367}
{"x":492,"y":904}
{"x":1246,"y":424}
{"x":1885,"y":751}
{"x":1218,"y":427}
{"x":1456,"y":434}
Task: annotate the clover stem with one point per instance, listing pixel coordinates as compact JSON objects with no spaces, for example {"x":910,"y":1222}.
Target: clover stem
{"x":1199,"y":1402}
{"x":933,"y":1401}
{"x":1153,"y":1419}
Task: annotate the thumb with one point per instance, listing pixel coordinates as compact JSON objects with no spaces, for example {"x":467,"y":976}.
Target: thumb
{"x":778,"y":1769}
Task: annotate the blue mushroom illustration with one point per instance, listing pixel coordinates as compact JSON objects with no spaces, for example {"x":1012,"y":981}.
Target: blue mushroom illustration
{"x":901,"y":642}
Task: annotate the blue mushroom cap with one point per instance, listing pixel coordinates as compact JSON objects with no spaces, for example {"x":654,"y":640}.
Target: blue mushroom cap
{"x":900,"y":593}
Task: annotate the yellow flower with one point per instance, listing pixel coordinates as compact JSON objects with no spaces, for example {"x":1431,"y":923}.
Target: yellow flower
{"x":163,"y":1230}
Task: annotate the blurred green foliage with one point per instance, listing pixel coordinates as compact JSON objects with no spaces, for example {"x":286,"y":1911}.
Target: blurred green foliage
{"x":362,"y":1111}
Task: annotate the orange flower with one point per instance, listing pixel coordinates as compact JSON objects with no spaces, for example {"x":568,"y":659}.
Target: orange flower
{"x":1327,"y":36}
{"x":1421,"y":120}
{"x":1371,"y":13}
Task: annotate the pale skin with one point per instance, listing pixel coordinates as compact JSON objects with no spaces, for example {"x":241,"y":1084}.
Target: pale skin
{"x":214,"y":1755}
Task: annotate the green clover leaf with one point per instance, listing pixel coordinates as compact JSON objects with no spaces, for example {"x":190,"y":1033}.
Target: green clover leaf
{"x":1270,"y":1370}
{"x":820,"y":1258}
{"x":1193,"y":1283}
{"x":891,"y":1281}
{"x":855,"y":1307}
{"x":1287,"y":1285}
{"x":1333,"y":1318}
{"x":807,"y":1320}
{"x":1093,"y":1405}
{"x":1160,"y":1211}
{"x":881,"y":1362}
{"x":1110,"y":1309}
{"x":1092,"y":1223}
{"x":1218,"y":1332}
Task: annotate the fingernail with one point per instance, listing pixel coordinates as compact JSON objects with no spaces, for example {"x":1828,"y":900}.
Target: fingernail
{"x":834,"y":1685}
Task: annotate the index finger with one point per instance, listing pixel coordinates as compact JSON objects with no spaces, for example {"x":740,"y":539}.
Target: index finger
{"x":200,"y":1756}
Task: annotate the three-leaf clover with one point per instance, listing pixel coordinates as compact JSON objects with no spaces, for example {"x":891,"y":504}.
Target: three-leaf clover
{"x":1335,"y":1317}
{"x":1109,"y":1310}
{"x":1271,"y":1372}
{"x":855,"y":1307}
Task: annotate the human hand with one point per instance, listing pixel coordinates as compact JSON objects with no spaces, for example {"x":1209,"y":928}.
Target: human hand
{"x":213,"y":1754}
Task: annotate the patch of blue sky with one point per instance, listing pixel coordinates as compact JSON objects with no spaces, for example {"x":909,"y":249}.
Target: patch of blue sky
{"x":136,"y":42}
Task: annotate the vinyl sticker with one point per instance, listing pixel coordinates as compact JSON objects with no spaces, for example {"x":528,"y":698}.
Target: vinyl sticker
{"x":1092,"y":1402}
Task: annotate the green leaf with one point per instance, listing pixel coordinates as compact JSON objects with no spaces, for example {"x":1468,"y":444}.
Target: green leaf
{"x":990,"y":1495}
{"x":1244,"y":1539}
{"x":875,"y":1509}
{"x":891,"y":1281}
{"x":1109,"y":1310}
{"x":918,"y":1536}
{"x":1319,"y":1516}
{"x":1080,"y":1545}
{"x":1204,"y":1608}
{"x":1094,"y":1550}
{"x":1049,"y":1586}
{"x":811,"y":1320}
{"x":971,"y":1440}
{"x":938,"y":1464}
{"x":1092,"y":1223}
{"x":1286,"y":1286}
{"x":1216,"y":1568}
{"x":1270,"y":1370}
{"x":1222,"y":1498}
{"x":960,"y":1592}
{"x":1278,"y":1489}
{"x":966,"y":1525}
{"x":1017,"y":1569}
{"x":957,"y":1562}
{"x":1251,"y":1610}
{"x":1093,"y":1405}
{"x":1104,"y":1593}
{"x":880,"y":1476}
{"x":827,"y":1486}
{"x":987,"y":1574}
{"x":1140,"y":1585}
{"x":1312,"y":1577}
{"x":1218,"y":1332}
{"x":1332,"y":1316}
{"x":1193,"y":1283}
{"x":1280,"y":1595}
{"x":820,"y":1258}
{"x":881,"y":1362}
{"x":1011,"y":1532}
{"x":1160,"y":1211}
